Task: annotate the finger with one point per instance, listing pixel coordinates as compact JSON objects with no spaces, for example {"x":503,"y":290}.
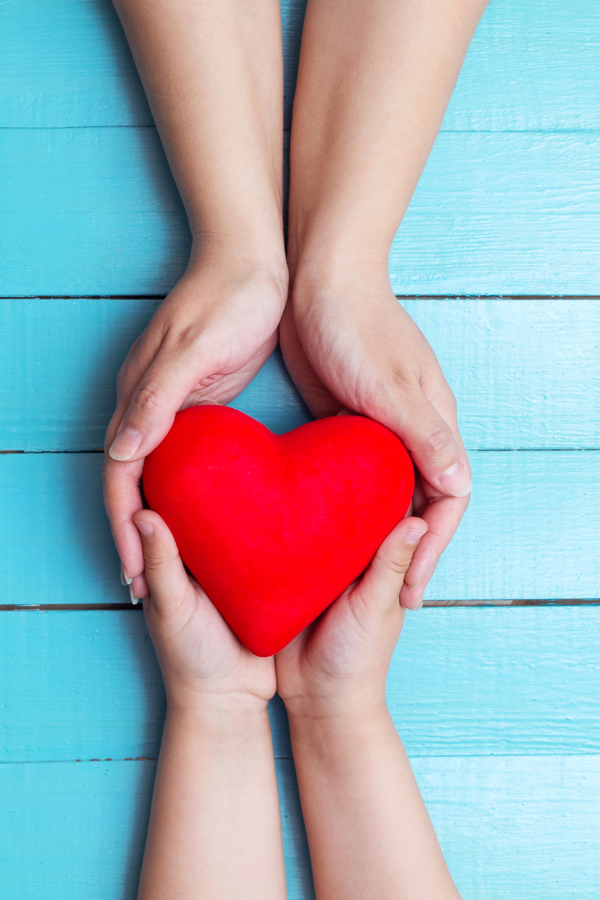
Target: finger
{"x":443,"y":516}
{"x":122,"y":499}
{"x":381,"y":584}
{"x":435,"y":450}
{"x":153,"y":404}
{"x":166,"y":576}
{"x":412,"y":599}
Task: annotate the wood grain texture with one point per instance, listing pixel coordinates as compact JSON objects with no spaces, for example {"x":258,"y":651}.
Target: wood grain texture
{"x":463,"y":682}
{"x":509,"y":827}
{"x":76,"y":831}
{"x":531,"y":532}
{"x":531,"y":66}
{"x":90,"y":211}
{"x":525,"y":373}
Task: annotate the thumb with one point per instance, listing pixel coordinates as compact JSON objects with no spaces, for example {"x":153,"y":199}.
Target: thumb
{"x":381,"y":583}
{"x":153,"y":405}
{"x":431,"y":442}
{"x":163,"y":567}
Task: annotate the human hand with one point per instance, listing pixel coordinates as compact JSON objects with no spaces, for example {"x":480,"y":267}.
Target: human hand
{"x":203,"y":663}
{"x":205,"y":343}
{"x":339,"y":664}
{"x":356,"y":347}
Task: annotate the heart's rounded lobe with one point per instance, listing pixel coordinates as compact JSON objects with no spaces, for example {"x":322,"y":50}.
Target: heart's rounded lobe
{"x":275,"y":527}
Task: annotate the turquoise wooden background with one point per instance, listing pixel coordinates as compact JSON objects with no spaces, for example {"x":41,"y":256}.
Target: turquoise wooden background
{"x":498,"y":260}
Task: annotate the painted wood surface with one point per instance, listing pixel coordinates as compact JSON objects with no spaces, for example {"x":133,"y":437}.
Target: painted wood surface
{"x":510,"y":827}
{"x":88,"y":211}
{"x":531,"y":532}
{"x":531,"y":66}
{"x":525,"y":373}
{"x":498,"y":706}
{"x":76,"y":831}
{"x":463,"y":682}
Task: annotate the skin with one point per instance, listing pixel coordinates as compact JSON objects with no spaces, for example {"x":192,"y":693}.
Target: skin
{"x":368,"y":829}
{"x":213,"y":74}
{"x":374,"y":80}
{"x":215,"y":797}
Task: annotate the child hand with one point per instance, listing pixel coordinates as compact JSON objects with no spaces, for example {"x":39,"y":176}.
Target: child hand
{"x":206,"y":342}
{"x":204,"y":665}
{"x":339,"y":664}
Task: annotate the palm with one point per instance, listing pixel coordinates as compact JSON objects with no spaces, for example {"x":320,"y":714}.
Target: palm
{"x":197,"y":645}
{"x":335,"y":648}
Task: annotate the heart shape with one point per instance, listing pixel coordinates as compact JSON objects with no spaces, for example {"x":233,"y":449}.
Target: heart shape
{"x":275,"y":527}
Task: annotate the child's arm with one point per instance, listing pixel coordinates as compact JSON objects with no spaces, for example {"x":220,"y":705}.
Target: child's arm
{"x":215,"y":829}
{"x":368,"y":829}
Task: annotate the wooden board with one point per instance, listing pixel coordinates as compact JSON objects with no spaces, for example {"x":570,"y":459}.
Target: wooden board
{"x":531,"y":66}
{"x":76,"y":831}
{"x":463,"y":682}
{"x":525,"y":373}
{"x":510,"y":827}
{"x":88,"y":211}
{"x":531,"y":532}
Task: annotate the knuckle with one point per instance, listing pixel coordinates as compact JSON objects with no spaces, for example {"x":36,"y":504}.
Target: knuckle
{"x":398,"y":566}
{"x":405,"y":380}
{"x":438,"y":441}
{"x":149,"y":398}
{"x":122,"y":377}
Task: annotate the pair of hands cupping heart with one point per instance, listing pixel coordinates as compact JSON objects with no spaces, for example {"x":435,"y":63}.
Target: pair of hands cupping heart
{"x":274,"y":528}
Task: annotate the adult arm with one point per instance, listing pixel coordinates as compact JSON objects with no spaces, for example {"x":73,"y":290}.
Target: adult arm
{"x":374,"y":81}
{"x":213,"y":75}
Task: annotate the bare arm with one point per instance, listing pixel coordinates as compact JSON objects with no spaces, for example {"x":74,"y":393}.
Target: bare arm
{"x":374,"y":80}
{"x":368,"y":830}
{"x":214,"y":79}
{"x":215,"y":830}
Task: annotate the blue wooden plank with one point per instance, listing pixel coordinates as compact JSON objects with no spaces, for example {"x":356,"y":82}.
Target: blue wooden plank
{"x":463,"y":682}
{"x":531,"y":66}
{"x":531,"y":532}
{"x":525,"y":373}
{"x":89,"y":211}
{"x":76,"y":831}
{"x":509,"y":827}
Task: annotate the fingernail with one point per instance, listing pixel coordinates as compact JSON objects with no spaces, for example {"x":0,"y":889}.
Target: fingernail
{"x":419,"y":605}
{"x":456,"y":480}
{"x":125,"y":579}
{"x":135,"y":600}
{"x":413,"y":537}
{"x":125,"y":444}
{"x":145,"y":528}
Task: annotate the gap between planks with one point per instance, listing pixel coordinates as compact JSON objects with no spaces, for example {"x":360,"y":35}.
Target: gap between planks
{"x":431,"y":604}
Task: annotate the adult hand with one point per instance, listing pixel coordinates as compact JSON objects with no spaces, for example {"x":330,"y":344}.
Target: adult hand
{"x":354,"y":346}
{"x":205,"y":343}
{"x":203,"y":663}
{"x":338,"y":665}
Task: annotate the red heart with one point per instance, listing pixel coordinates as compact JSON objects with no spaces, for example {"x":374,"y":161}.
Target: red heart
{"x":275,"y":527}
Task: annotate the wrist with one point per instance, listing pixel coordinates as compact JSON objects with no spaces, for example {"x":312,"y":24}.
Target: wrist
{"x":238,"y":253}
{"x":335,"y":736}
{"x":343,"y":283}
{"x":219,"y":722}
{"x":191,"y":702}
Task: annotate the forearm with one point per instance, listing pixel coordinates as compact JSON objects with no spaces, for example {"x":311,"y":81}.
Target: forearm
{"x":374,"y":81}
{"x":368,"y":829}
{"x":213,"y":75}
{"x":215,"y":829}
